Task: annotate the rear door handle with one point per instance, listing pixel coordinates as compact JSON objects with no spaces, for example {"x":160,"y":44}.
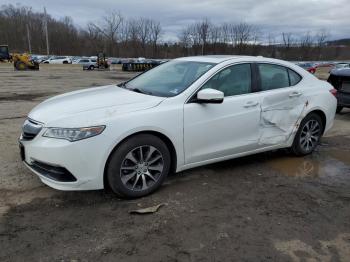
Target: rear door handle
{"x":295,"y":94}
{"x":251,"y":104}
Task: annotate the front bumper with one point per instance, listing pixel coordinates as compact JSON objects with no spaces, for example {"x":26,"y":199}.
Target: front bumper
{"x":65,"y":165}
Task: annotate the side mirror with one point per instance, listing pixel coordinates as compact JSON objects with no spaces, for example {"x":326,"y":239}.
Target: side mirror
{"x":210,"y":96}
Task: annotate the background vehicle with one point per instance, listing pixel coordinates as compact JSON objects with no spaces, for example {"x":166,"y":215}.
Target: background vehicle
{"x":310,"y":67}
{"x":342,"y":65}
{"x":20,"y":61}
{"x":114,"y":61}
{"x":58,"y":60}
{"x":88,"y":64}
{"x":182,"y":114}
{"x":102,"y":62}
{"x":340,"y":79}
{"x":24,"y":62}
{"x":4,"y":53}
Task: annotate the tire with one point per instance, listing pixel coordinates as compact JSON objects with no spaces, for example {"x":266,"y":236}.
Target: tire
{"x":20,"y":66}
{"x":128,"y":176}
{"x":339,"y":109}
{"x":91,"y":67}
{"x":310,"y":130}
{"x":65,"y":62}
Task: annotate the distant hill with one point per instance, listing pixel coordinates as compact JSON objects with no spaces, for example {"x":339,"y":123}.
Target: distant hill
{"x":345,"y":41}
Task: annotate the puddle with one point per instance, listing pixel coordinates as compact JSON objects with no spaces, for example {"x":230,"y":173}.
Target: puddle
{"x":14,"y":198}
{"x":330,"y":162}
{"x":19,"y":97}
{"x":341,"y":155}
{"x":298,"y":250}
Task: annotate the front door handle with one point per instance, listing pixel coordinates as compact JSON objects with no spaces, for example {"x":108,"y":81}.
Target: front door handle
{"x":251,"y":104}
{"x":295,"y":94}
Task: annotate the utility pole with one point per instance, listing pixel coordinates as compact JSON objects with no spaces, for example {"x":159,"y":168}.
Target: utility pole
{"x":47,"y":34}
{"x":29,"y":44}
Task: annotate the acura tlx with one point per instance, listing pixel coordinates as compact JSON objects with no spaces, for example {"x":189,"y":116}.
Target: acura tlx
{"x":182,"y":114}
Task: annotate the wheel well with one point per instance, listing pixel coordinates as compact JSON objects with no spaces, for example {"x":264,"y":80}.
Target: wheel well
{"x":323,"y":117}
{"x":163,"y":137}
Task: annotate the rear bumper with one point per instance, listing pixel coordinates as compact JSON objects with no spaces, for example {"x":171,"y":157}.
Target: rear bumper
{"x":343,"y":99}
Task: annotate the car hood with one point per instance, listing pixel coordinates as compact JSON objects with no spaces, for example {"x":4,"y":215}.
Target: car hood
{"x":93,"y":99}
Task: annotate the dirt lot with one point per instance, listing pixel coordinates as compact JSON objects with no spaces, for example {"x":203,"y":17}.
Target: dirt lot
{"x":267,"y":207}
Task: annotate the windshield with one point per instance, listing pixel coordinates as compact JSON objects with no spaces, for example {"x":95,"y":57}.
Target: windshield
{"x":168,"y":79}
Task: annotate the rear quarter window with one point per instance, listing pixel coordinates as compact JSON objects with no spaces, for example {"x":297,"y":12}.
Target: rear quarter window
{"x":294,"y":77}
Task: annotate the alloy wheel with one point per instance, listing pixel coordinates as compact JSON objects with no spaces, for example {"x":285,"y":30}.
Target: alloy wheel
{"x":310,"y":135}
{"x":141,"y":168}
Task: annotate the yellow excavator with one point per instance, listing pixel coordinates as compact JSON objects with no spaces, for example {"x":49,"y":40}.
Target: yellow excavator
{"x":102,"y":61}
{"x":20,"y":61}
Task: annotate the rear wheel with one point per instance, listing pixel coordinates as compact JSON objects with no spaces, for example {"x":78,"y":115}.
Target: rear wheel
{"x":139,"y":166}
{"x":308,"y":135}
{"x":20,"y":66}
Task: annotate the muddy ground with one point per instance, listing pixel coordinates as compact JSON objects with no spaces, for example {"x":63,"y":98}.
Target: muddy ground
{"x":266,"y":207}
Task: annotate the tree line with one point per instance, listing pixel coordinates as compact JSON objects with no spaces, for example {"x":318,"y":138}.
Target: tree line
{"x":24,"y":31}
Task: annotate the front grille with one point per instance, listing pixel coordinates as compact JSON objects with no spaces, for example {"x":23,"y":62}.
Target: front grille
{"x":56,"y":173}
{"x":30,"y":129}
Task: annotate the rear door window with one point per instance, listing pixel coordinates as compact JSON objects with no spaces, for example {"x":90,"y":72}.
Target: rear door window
{"x":273,"y":76}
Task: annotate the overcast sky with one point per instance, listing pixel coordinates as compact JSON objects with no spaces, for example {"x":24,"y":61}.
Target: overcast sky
{"x":272,"y":16}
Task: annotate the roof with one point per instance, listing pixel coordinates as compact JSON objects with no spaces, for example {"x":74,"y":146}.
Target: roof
{"x":341,"y":72}
{"x":213,"y":58}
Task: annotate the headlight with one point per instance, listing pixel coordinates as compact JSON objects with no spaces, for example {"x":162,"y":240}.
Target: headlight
{"x":73,"y":134}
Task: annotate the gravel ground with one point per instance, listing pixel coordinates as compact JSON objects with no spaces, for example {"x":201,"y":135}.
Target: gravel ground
{"x":266,"y":207}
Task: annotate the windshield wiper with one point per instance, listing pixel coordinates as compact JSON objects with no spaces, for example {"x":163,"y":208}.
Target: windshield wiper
{"x":138,"y":90}
{"x":122,"y":84}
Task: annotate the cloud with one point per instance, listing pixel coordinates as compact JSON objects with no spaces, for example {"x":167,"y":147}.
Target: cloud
{"x":271,"y":16}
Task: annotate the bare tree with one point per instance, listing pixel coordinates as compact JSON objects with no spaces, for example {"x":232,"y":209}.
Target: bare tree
{"x":321,"y":38}
{"x":141,"y":36}
{"x":306,"y":45}
{"x":185,"y":40}
{"x":203,"y":29}
{"x":109,"y":28}
{"x":288,"y":42}
{"x":214,"y":37}
{"x":156,"y":30}
{"x":144,"y":25}
{"x":272,"y":45}
{"x":243,"y":34}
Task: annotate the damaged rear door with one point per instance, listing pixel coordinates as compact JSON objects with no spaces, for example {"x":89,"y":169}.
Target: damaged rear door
{"x":283,"y":103}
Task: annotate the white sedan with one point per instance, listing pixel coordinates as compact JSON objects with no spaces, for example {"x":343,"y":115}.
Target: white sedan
{"x":182,"y":114}
{"x":58,"y":60}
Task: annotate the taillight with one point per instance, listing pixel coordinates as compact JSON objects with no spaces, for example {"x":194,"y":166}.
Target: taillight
{"x":333,"y":92}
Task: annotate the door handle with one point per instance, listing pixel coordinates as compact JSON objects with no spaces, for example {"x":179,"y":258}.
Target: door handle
{"x":251,"y":104}
{"x":295,"y":94}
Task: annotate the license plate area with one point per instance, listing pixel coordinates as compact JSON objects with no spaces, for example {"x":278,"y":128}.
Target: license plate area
{"x":22,"y":152}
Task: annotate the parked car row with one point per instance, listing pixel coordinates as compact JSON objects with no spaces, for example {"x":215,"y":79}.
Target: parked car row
{"x":312,"y":66}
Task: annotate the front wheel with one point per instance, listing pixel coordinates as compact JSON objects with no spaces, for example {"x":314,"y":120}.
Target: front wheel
{"x":308,"y":135}
{"x":138,"y":166}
